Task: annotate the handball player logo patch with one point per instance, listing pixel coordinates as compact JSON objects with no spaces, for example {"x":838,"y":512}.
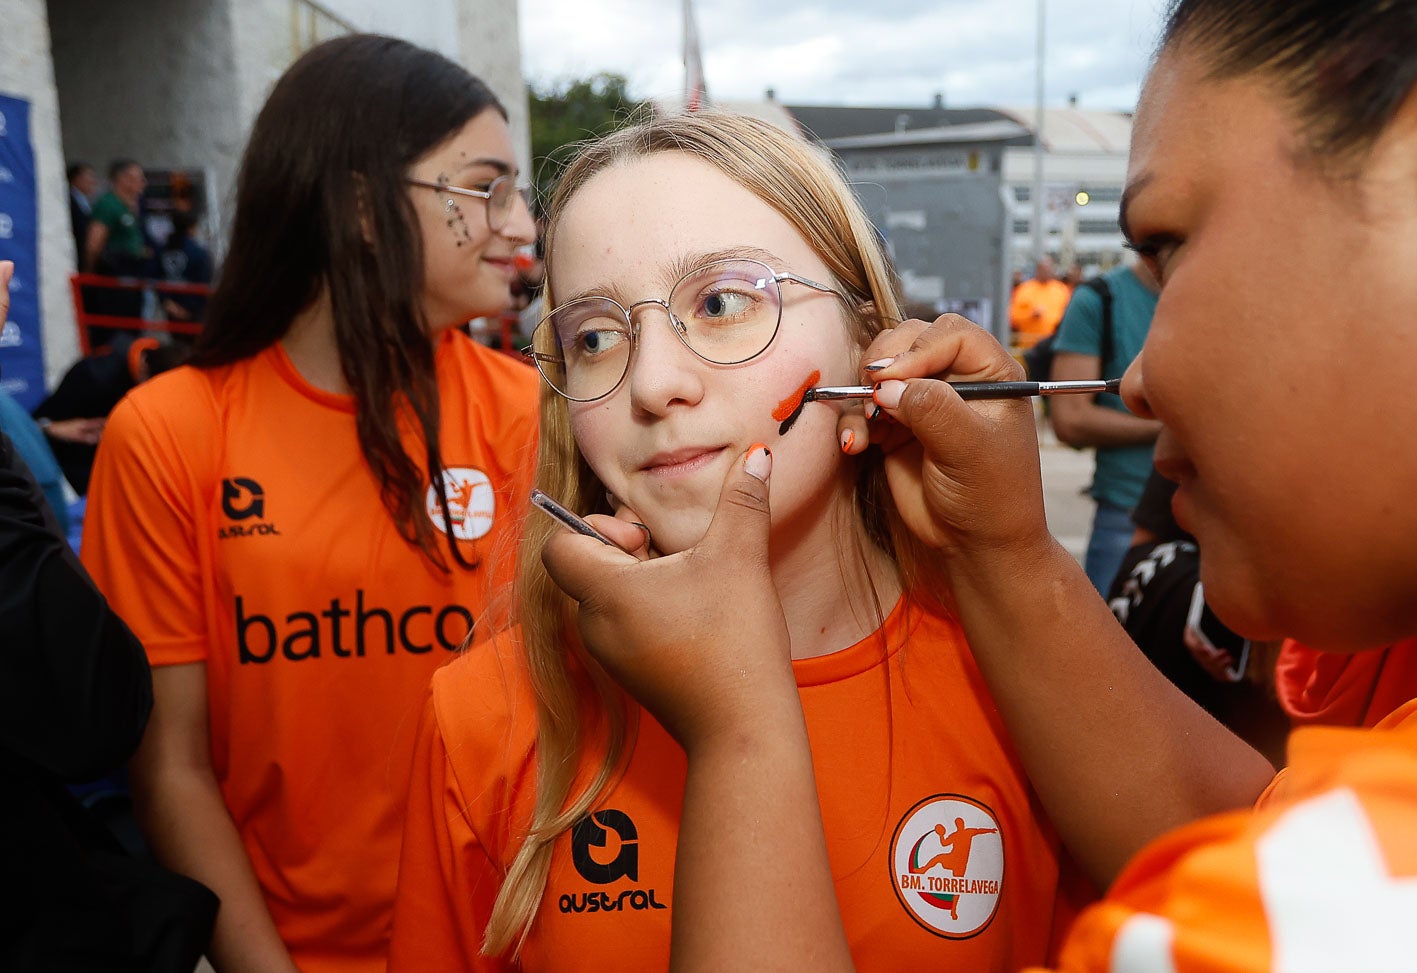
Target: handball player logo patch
{"x":947,"y":865}
{"x":471,"y":503}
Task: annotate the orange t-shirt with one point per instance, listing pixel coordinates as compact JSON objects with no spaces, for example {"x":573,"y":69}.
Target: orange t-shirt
{"x":941,"y":855}
{"x":1321,"y":876}
{"x":1345,"y":689}
{"x":233,"y":521}
{"x":1036,"y":308}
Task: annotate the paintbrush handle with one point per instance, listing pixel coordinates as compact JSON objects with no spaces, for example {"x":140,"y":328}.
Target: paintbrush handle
{"x":1024,"y":390}
{"x":980,"y":390}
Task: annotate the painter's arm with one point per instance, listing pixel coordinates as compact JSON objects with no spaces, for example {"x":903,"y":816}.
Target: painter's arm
{"x":1116,"y":752}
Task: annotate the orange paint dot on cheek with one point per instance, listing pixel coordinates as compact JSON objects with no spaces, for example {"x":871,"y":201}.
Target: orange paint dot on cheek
{"x":791,"y":404}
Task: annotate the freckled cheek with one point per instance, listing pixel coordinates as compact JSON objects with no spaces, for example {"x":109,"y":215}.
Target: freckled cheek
{"x":593,"y":428}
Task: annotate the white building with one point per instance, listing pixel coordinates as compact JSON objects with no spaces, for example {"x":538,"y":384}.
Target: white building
{"x":1084,"y":171}
{"x":1084,"y":168}
{"x":176,"y":85}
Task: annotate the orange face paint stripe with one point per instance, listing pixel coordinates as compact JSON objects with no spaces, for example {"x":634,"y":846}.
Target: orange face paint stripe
{"x":793,"y":402}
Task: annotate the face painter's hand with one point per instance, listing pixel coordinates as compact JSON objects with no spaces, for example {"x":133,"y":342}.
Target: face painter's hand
{"x":698,"y":637}
{"x":964,"y":475}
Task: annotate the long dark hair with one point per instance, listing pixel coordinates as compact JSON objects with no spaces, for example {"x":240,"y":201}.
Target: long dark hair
{"x":322,"y":175}
{"x":1344,"y":67}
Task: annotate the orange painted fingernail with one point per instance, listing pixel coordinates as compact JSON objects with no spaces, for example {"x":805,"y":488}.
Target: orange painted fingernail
{"x":848,"y":439}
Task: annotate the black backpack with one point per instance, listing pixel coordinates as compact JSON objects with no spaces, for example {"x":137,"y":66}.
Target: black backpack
{"x":1038,"y":360}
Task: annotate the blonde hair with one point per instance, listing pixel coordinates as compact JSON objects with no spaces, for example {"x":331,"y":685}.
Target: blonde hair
{"x":574,"y":695}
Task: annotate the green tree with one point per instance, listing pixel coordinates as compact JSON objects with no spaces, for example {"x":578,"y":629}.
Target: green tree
{"x":570,"y":111}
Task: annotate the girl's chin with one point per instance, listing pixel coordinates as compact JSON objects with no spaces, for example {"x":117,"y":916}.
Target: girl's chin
{"x":675,"y":537}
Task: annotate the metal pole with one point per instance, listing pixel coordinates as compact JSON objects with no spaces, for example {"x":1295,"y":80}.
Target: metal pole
{"x":1038,"y":232}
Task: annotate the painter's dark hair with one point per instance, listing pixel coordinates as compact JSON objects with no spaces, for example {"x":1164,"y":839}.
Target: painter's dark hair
{"x":321,"y":200}
{"x":1345,"y":67}
{"x":74,"y":168}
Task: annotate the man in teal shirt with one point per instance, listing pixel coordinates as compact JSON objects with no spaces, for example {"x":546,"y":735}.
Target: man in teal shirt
{"x":115,"y":244}
{"x":1086,"y":348}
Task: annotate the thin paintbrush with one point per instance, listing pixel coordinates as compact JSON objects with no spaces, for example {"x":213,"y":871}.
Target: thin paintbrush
{"x":967,"y":390}
{"x":977,"y":390}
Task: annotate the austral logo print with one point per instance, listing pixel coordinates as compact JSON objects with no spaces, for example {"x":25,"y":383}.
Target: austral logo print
{"x":242,"y":500}
{"x":947,"y":865}
{"x":605,"y":848}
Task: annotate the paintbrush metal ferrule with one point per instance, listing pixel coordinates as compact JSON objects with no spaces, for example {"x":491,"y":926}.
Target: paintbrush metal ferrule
{"x":978,"y":390}
{"x":828,"y":393}
{"x":1093,"y":386}
{"x":559,"y":513}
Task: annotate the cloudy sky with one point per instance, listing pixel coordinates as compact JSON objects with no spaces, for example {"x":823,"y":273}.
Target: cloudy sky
{"x":861,"y":52}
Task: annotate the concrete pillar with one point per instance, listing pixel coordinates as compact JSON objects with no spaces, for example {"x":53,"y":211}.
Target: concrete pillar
{"x":151,"y":82}
{"x":491,"y":49}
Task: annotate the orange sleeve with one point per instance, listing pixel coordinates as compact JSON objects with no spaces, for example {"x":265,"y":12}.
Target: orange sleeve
{"x":140,"y":539}
{"x":447,"y":883}
{"x":1323,"y":872}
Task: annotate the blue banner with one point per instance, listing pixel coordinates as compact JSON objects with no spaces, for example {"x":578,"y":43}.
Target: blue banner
{"x":21,"y":352}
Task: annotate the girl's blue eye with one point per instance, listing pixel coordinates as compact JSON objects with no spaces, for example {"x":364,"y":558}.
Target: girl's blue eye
{"x":600,"y":340}
{"x":727,"y":304}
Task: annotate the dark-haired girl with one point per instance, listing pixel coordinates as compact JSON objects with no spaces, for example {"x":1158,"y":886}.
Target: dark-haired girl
{"x":307,"y":521}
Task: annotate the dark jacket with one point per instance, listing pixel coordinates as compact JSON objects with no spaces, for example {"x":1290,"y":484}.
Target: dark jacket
{"x":75,"y":694}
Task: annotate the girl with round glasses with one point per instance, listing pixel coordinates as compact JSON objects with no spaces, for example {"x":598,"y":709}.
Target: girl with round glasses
{"x":304,"y":524}
{"x":1296,"y":487}
{"x":703,"y":270}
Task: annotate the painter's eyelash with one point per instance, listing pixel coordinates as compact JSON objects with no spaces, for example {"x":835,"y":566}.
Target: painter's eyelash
{"x":1152,"y":246}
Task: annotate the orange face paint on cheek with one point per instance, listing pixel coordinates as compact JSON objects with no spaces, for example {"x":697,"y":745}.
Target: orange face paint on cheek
{"x":793,"y":402}
{"x":790,"y":408}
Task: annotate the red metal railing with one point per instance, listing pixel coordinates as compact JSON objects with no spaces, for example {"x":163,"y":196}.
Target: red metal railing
{"x":89,"y":319}
{"x":503,"y":324}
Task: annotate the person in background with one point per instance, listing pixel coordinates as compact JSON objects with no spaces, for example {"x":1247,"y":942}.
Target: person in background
{"x":186,"y":260}
{"x":1102,"y":332}
{"x":116,"y":245}
{"x":73,"y":415}
{"x":308,"y":519}
{"x":83,"y":184}
{"x":1037,"y":305}
{"x":28,"y":439}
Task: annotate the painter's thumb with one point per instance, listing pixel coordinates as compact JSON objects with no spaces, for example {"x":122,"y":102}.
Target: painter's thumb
{"x":740,"y":522}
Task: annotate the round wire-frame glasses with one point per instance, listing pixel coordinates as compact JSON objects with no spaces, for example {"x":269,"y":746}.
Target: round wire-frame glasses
{"x":726,"y":312}
{"x":501,"y":196}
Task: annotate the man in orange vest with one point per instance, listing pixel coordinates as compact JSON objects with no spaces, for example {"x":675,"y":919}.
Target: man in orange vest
{"x":1038,"y":305}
